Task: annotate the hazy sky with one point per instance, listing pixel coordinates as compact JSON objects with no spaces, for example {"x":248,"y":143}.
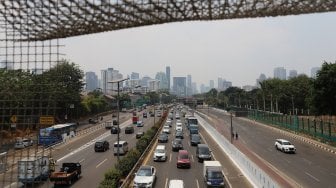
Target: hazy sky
{"x":237,"y":50}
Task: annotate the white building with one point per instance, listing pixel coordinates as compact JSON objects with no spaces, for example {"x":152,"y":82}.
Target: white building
{"x":280,"y":73}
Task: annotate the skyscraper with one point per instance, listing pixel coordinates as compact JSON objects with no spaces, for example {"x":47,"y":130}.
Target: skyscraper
{"x":261,"y":78}
{"x":280,"y":72}
{"x":211,"y":84}
{"x":220,"y":83}
{"x":168,"y":76}
{"x":180,"y":86}
{"x":189,"y":85}
{"x":292,"y":74}
{"x":106,"y":77}
{"x":314,"y":71}
{"x":91,"y":80}
{"x":162,"y":78}
{"x":135,"y":76}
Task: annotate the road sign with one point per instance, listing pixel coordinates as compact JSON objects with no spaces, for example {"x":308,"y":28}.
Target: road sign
{"x":13,"y":119}
{"x":47,"y":120}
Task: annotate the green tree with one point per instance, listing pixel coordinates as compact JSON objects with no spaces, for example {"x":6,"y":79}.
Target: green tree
{"x":324,"y":92}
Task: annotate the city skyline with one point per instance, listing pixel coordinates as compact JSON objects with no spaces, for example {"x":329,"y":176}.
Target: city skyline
{"x":238,"y":50}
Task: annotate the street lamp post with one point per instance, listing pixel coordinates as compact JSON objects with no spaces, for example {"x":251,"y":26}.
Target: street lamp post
{"x":231,"y":128}
{"x":118,"y":106}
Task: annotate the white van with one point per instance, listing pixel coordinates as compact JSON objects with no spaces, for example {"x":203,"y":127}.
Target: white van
{"x":160,"y":153}
{"x":176,"y":184}
{"x":123,"y":147}
{"x":178,"y":127}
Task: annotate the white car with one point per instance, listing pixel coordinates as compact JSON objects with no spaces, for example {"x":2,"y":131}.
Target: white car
{"x":22,"y":143}
{"x":145,"y":177}
{"x":176,"y":184}
{"x":166,"y":129}
{"x":160,"y":153}
{"x":178,"y":127}
{"x":284,"y":146}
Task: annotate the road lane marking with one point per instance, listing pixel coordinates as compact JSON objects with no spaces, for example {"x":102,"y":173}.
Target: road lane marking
{"x":170,"y":158}
{"x":101,"y":163}
{"x":197,"y":184}
{"x":312,"y":177}
{"x":81,"y":160}
{"x":166,"y":183}
{"x":192,"y":158}
{"x":307,"y":161}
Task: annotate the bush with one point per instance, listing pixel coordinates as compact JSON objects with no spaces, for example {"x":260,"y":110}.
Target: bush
{"x":111,"y":179}
{"x":126,"y":163}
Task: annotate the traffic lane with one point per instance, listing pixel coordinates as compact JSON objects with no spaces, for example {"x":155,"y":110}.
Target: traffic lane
{"x":99,"y":163}
{"x":310,"y":166}
{"x":167,"y":170}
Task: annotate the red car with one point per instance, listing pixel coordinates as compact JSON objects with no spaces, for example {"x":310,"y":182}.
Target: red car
{"x":183,"y":160}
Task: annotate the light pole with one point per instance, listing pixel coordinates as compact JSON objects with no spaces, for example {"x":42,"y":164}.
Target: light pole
{"x":231,"y":128}
{"x":118,"y":106}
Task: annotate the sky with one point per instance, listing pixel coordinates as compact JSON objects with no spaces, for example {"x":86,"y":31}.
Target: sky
{"x":237,"y":50}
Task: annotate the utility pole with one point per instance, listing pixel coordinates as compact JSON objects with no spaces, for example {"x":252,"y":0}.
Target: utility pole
{"x":231,"y":128}
{"x":118,"y":106}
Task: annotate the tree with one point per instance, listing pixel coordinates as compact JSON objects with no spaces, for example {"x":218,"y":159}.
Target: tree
{"x":324,"y":91}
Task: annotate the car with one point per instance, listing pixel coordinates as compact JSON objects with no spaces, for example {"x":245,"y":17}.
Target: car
{"x":163,"y":138}
{"x":114,"y":115}
{"x":176,"y":183}
{"x":166,"y":129}
{"x":169,"y":123}
{"x":144,"y":115}
{"x":129,"y":129}
{"x":115,"y":122}
{"x":177,"y":144}
{"x":284,"y":146}
{"x":183,"y":159}
{"x":203,"y":152}
{"x":195,"y":139}
{"x":93,"y":121}
{"x":179,"y":134}
{"x":115,"y":130}
{"x":101,"y":145}
{"x":140,"y":124}
{"x":145,"y":177}
{"x":22,"y":143}
{"x":160,"y":153}
{"x":178,"y":127}
{"x":139,"y":134}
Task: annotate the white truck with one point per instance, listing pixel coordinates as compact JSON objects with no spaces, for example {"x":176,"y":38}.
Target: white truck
{"x":35,"y":169}
{"x":212,"y":173}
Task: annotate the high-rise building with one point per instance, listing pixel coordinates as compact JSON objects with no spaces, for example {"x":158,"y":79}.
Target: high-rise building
{"x":162,"y":78}
{"x":91,"y":80}
{"x":168,"y":76}
{"x":280,"y":73}
{"x":313,"y":71}
{"x":189,"y":85}
{"x":144,"y":81}
{"x":226,"y":85}
{"x":180,"y":86}
{"x":211,"y":84}
{"x":153,"y":85}
{"x":135,"y":76}
{"x":220,"y":84}
{"x":107,"y":76}
{"x":194,"y":88}
{"x":261,"y":78}
{"x":292,"y":74}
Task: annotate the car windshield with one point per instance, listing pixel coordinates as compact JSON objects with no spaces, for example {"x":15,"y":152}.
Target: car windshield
{"x":144,"y":172}
{"x":159,"y":151}
{"x":99,"y":143}
{"x":177,"y":142}
{"x":195,"y":137}
{"x":204,"y":150}
{"x":215,"y":174}
{"x":286,"y":143}
{"x":183,"y":156}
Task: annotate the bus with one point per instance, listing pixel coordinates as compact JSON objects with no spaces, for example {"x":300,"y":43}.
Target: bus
{"x":56,"y":133}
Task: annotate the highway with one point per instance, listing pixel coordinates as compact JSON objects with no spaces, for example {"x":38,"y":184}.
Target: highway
{"x":95,"y":164}
{"x":311,"y":166}
{"x":192,"y":177}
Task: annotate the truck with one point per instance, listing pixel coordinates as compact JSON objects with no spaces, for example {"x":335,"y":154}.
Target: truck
{"x":135,"y":119}
{"x":213,"y":175}
{"x":108,"y":125}
{"x":35,"y":169}
{"x":68,"y":173}
{"x":193,"y":129}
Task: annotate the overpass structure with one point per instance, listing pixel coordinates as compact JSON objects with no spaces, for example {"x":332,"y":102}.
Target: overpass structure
{"x":39,"y":20}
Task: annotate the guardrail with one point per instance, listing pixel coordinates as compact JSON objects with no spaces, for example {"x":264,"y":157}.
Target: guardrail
{"x":129,"y":178}
{"x":256,"y":176}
